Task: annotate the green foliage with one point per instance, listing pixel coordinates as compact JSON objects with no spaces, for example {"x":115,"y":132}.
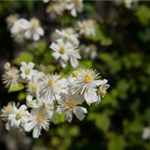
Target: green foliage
{"x":116,"y":142}
{"x":23,"y":56}
{"x":143,"y":14}
{"x":101,"y":36}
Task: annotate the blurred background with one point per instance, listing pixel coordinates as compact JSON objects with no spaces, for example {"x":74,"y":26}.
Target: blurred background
{"x":123,"y":57}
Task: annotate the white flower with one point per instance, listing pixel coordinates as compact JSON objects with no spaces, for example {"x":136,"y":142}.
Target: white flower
{"x":69,"y":35}
{"x":86,"y":83}
{"x":37,"y":121}
{"x":64,"y":52}
{"x":74,"y":6}
{"x":34,"y":30}
{"x":19,"y":116}
{"x":18,"y":29}
{"x":86,"y":27}
{"x":61,"y":50}
{"x":69,"y":104}
{"x":33,"y":84}
{"x":146,"y":133}
{"x":11,"y":19}
{"x":27,"y":71}
{"x":7,"y":110}
{"x":103,"y":90}
{"x":89,"y":51}
{"x":56,"y":9}
{"x":10,"y":77}
{"x":33,"y":103}
{"x":51,"y":86}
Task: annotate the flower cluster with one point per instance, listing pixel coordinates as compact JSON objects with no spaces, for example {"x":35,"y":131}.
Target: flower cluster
{"x":67,"y":43}
{"x":22,"y":28}
{"x":59,"y":7}
{"x":48,"y":94}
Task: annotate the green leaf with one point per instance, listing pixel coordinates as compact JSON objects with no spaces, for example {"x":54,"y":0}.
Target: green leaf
{"x":102,"y":122}
{"x":116,"y":142}
{"x":59,"y":118}
{"x":23,"y":56}
{"x":100,"y":36}
{"x":41,"y":47}
{"x":15,"y":88}
{"x":143,"y":14}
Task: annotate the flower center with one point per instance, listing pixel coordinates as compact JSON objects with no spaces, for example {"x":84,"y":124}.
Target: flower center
{"x":27,"y":71}
{"x":102,"y":93}
{"x":50,"y":82}
{"x":33,"y":87}
{"x":74,"y":73}
{"x":87,"y":78}
{"x":34,"y":23}
{"x":62,"y":50}
{"x":70,"y":104}
{"x":40,"y":118}
{"x":18,"y":116}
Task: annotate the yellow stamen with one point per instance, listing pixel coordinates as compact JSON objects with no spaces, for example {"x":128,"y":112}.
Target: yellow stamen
{"x":62,"y":50}
{"x":70,"y":104}
{"x":40,"y":118}
{"x":33,"y":87}
{"x":74,"y":73}
{"x":102,"y":92}
{"x":18,"y":116}
{"x":50,"y":82}
{"x":34,"y":23}
{"x":87,"y":78}
{"x":27,"y":71}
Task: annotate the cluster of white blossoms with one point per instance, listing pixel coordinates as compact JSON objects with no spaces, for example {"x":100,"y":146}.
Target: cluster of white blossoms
{"x":86,"y":27}
{"x":48,"y":94}
{"x":64,"y":51}
{"x":59,"y":7}
{"x":66,"y":45}
{"x":22,"y":28}
{"x":89,"y":51}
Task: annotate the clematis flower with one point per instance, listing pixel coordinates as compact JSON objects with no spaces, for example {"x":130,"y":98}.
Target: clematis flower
{"x":69,"y":104}
{"x":27,"y":71}
{"x":86,"y":83}
{"x":51,"y":86}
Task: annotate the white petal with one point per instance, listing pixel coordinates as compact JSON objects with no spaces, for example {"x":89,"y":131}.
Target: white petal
{"x":29,"y":126}
{"x":54,"y":47}
{"x":91,"y":96}
{"x":68,"y":116}
{"x":74,"y":62}
{"x":60,"y":42}
{"x":36,"y":132}
{"x":40,"y":31}
{"x":77,"y":99}
{"x":27,"y":34}
{"x":36,"y":37}
{"x":56,"y":55}
{"x":79,"y":112}
{"x":100,"y":82}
